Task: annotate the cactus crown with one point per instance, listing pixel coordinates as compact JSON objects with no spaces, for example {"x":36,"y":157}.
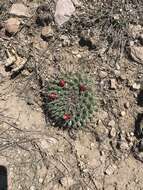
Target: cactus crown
{"x":69,"y":100}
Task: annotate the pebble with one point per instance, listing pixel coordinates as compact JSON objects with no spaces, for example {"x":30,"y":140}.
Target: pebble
{"x":66,"y":182}
{"x":32,"y":188}
{"x":111,"y":123}
{"x":112,"y":132}
{"x":113,"y":84}
{"x":103,"y":74}
{"x":47,"y":33}
{"x":123,"y":113}
{"x":12,"y":25}
{"x":136,"y":86}
{"x":20,"y":10}
{"x":64,"y":10}
{"x":127,"y":105}
{"x":110,"y":169}
{"x":40,"y":180}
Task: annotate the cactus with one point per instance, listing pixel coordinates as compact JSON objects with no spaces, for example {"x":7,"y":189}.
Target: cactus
{"x":69,"y":100}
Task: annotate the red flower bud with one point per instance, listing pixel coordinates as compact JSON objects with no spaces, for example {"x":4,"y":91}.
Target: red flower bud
{"x":82,"y":88}
{"x":62,"y":83}
{"x":53,"y":96}
{"x":66,"y":117}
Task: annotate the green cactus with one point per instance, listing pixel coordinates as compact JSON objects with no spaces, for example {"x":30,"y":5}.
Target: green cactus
{"x":69,"y":100}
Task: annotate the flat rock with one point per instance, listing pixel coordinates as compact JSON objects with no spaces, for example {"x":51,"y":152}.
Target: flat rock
{"x":136,"y":52}
{"x":20,"y":10}
{"x":136,"y":86}
{"x":12,"y":25}
{"x":64,"y":10}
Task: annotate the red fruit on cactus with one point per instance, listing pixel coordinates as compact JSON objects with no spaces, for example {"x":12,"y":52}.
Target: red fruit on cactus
{"x":82,"y":88}
{"x":66,"y":117}
{"x":62,"y":83}
{"x":53,"y":96}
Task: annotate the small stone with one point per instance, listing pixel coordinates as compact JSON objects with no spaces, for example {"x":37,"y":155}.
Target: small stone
{"x":132,"y":43}
{"x":127,"y":105}
{"x":132,"y":134}
{"x":112,"y":133}
{"x":113,"y":84}
{"x":111,"y":169}
{"x":136,"y":86}
{"x":64,"y":10}
{"x":25,"y":73}
{"x":66,"y":182}
{"x":103,"y":74}
{"x":12,"y":25}
{"x":20,"y":10}
{"x":111,"y":123}
{"x":32,"y":188}
{"x":40,"y":180}
{"x":123,"y":77}
{"x":118,"y":66}
{"x":117,"y":73}
{"x":123,"y":113}
{"x":47,"y":33}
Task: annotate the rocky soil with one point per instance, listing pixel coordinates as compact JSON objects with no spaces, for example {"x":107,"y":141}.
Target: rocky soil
{"x":40,"y":39}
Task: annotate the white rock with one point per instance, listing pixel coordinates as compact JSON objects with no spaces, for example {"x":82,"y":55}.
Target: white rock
{"x":64,"y":10}
{"x":136,"y":86}
{"x":136,"y":53}
{"x":40,"y":180}
{"x":12,"y":25}
{"x":20,"y":10}
{"x":127,"y":105}
{"x":123,"y":113}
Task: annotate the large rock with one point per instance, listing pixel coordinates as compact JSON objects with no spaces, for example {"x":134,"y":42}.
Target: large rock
{"x":20,"y":10}
{"x":136,"y":53}
{"x":12,"y":25}
{"x":64,"y":9}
